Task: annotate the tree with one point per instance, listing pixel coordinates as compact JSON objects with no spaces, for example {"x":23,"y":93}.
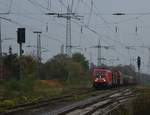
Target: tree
{"x":56,"y":68}
{"x":11,"y":66}
{"x":29,"y":66}
{"x":126,"y":69}
{"x":75,"y":70}
{"x":78,"y":57}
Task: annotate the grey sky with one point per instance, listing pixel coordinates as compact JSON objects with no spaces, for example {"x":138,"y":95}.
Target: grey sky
{"x":31,"y":14}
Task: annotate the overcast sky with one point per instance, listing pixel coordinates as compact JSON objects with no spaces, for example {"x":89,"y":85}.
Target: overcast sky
{"x":97,"y":15}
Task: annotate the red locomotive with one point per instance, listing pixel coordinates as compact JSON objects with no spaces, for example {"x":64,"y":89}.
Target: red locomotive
{"x":103,"y":77}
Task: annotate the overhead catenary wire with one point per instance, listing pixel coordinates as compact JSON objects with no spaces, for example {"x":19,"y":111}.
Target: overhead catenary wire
{"x":106,"y":24}
{"x":91,"y":11}
{"x":93,"y":31}
{"x":10,"y":6}
{"x":100,"y":16}
{"x":49,"y":5}
{"x":115,"y":22}
{"x":77,"y":6}
{"x":35,"y":3}
{"x":87,"y":27}
{"x":29,"y":28}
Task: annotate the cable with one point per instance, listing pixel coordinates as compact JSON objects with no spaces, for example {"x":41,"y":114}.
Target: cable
{"x":101,"y":17}
{"x":37,"y":5}
{"x":86,"y":26}
{"x":91,"y":11}
{"x":71,"y":6}
{"x":60,"y":1}
{"x":30,"y":28}
{"x":78,"y":2}
{"x":10,"y":6}
{"x":105,"y":23}
{"x":49,"y":5}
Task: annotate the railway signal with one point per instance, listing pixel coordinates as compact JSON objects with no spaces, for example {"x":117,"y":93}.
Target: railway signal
{"x":139,"y":65}
{"x":138,"y":62}
{"x":21,"y":38}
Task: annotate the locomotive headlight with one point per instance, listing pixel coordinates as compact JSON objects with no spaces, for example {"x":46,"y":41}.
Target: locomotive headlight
{"x":96,"y":79}
{"x":104,"y":79}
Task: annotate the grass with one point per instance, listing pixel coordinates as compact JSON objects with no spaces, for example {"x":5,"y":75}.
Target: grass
{"x":141,"y":104}
{"x":138,"y":106}
{"x":13,"y":92}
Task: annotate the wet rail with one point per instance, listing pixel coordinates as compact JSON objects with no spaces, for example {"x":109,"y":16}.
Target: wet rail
{"x":43,"y":102}
{"x":101,"y":96}
{"x":98,"y":105}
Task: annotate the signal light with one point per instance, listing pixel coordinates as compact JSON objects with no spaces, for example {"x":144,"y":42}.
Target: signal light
{"x":139,"y":62}
{"x":21,"y":35}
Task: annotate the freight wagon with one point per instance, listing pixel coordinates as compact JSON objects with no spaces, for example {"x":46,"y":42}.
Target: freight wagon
{"x":104,"y":77}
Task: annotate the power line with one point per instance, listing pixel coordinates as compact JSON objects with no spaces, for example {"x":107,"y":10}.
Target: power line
{"x":91,"y":11}
{"x":105,"y":23}
{"x":100,"y":16}
{"x":10,"y":6}
{"x":37,"y":5}
{"x":77,"y":5}
{"x":138,"y":13}
{"x":87,"y":27}
{"x":99,"y":55}
{"x":29,"y":28}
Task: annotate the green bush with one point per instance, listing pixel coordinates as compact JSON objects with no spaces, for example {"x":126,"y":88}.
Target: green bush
{"x":19,"y":87}
{"x":9,"y":102}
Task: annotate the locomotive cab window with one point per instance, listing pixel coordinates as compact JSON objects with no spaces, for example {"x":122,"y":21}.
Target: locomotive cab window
{"x":100,"y":74}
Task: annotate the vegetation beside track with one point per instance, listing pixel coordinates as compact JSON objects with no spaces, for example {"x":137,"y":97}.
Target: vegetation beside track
{"x":138,"y":106}
{"x":60,"y":75}
{"x":16,"y":92}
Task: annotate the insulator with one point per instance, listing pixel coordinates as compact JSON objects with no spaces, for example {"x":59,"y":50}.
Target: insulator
{"x":81,"y":29}
{"x":46,"y":27}
{"x":136,"y":29}
{"x":116,"y":29}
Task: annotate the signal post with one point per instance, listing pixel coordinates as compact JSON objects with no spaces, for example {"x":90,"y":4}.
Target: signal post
{"x":20,"y":41}
{"x":139,"y":68}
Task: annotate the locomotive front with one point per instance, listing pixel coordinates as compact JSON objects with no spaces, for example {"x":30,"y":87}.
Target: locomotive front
{"x":102,"y":77}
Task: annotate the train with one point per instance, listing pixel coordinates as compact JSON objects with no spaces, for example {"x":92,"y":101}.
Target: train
{"x":105,"y":77}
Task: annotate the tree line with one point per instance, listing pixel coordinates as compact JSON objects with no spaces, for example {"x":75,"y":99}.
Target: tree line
{"x":59,"y":67}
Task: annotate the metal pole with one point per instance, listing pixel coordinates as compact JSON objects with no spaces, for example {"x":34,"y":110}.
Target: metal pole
{"x":20,"y":45}
{"x":38,"y":54}
{"x":68,"y":33}
{"x":1,"y":61}
{"x":99,"y":53}
{"x":0,"y":40}
{"x":148,"y":61}
{"x":139,"y":75}
{"x":62,"y":49}
{"x":20,"y":66}
{"x":90,"y":60}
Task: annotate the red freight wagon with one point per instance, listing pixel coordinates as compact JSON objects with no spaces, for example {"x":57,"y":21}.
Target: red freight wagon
{"x":118,"y":77}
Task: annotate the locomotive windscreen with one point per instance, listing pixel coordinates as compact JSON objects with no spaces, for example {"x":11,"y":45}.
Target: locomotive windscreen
{"x":100,"y":74}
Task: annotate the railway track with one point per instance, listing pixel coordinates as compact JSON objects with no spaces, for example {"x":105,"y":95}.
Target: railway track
{"x":104,"y":97}
{"x":44,"y":102}
{"x":98,"y":105}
